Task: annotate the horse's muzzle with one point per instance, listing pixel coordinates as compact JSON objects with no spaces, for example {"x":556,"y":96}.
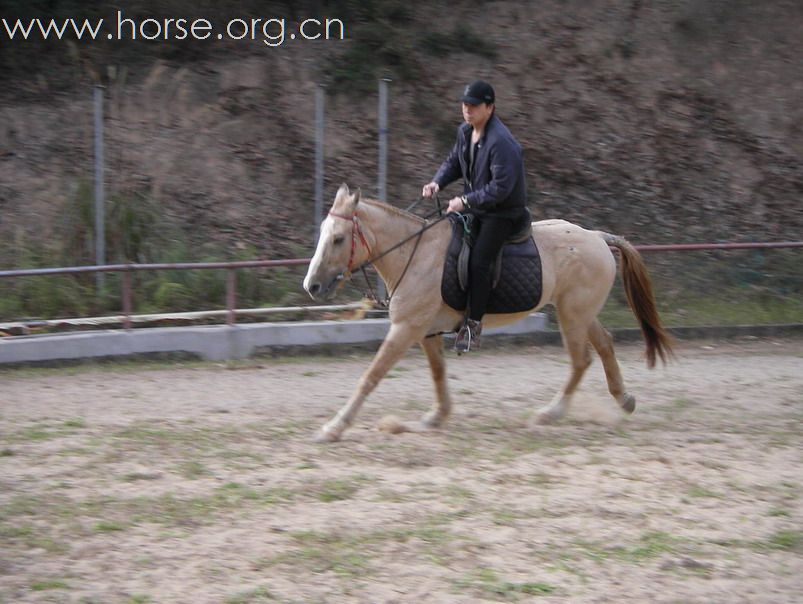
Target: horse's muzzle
{"x":321,"y":292}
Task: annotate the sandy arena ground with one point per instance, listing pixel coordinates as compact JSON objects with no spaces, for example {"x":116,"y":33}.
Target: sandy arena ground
{"x":199,"y":483}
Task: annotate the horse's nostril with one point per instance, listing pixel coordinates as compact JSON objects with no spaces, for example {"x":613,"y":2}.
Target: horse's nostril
{"x":314,"y":288}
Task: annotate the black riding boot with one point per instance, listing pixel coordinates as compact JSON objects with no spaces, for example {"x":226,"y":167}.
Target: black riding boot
{"x":468,"y":337}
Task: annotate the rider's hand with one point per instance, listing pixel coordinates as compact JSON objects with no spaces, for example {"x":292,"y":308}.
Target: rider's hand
{"x":456,"y":205}
{"x":430,"y":190}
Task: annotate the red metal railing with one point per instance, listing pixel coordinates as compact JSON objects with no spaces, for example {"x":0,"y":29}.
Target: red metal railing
{"x":231,"y":267}
{"x":128,"y":269}
{"x":685,"y":247}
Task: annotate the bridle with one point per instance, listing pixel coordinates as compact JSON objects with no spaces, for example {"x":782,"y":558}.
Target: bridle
{"x":357,"y":233}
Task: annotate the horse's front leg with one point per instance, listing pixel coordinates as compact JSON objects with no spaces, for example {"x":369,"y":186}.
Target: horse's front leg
{"x":398,"y":340}
{"x":433,"y":346}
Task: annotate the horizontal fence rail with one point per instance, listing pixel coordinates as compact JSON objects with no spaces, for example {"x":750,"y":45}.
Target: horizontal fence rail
{"x":231,"y":267}
{"x":128,"y":269}
{"x":121,"y":268}
{"x":697,"y":247}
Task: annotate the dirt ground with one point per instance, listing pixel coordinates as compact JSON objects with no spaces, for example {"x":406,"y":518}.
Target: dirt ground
{"x":199,"y":483}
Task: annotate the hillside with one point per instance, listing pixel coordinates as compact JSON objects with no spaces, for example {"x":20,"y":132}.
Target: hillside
{"x":666,"y":121}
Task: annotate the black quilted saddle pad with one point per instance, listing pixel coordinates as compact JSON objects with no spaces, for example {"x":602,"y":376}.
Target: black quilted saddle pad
{"x":519,"y":284}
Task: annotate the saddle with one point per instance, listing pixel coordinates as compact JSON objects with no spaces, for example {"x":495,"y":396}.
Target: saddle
{"x":516,"y":283}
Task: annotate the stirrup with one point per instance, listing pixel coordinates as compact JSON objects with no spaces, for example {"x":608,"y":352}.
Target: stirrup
{"x":468,"y":337}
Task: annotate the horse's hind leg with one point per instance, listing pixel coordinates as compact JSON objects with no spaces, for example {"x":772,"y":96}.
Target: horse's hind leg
{"x":603,"y":343}
{"x":575,"y":340}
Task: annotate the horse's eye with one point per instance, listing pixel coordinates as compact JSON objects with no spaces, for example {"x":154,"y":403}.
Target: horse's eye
{"x":338,"y":239}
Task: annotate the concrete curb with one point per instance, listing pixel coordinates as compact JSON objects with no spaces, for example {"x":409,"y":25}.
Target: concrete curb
{"x":222,"y":342}
{"x":217,"y":342}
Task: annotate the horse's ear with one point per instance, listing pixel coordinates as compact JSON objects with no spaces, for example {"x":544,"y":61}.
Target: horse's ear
{"x":345,"y":201}
{"x":343,"y":191}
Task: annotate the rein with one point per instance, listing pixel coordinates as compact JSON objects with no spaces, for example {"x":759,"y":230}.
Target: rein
{"x":356,"y":232}
{"x":438,"y":211}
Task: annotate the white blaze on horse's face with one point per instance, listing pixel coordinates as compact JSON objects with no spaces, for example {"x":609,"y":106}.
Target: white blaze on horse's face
{"x":324,"y":270}
{"x":334,"y":251}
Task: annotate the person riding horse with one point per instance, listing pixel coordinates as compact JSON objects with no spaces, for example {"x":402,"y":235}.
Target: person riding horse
{"x":489,"y":159}
{"x":578,"y":272}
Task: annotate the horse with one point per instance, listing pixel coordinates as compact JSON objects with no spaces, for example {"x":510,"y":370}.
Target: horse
{"x":408,"y":252}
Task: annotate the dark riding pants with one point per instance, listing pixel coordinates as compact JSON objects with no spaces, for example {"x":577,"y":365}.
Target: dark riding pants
{"x":491,"y":236}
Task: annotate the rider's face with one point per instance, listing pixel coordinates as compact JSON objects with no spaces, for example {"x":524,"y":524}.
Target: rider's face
{"x":477,"y":115}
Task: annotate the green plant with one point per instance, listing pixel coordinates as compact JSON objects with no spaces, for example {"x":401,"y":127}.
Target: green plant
{"x":193,"y":470}
{"x":322,"y":552}
{"x":487,"y":581}
{"x":48,"y":584}
{"x":787,"y":540}
{"x":132,"y":229}
{"x":259,"y":594}
{"x":339,"y":489}
{"x":172,"y":296}
{"x":108,"y":526}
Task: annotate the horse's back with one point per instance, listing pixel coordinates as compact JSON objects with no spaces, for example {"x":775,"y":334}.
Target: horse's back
{"x":573,"y":259}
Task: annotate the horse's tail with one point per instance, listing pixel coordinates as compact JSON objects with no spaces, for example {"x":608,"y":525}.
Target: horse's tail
{"x":640,"y":297}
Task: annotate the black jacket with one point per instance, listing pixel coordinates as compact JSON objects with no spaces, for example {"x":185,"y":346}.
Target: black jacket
{"x":497,"y":183}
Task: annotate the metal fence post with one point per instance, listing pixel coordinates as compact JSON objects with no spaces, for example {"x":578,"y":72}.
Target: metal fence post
{"x":319,"y":131}
{"x":382,"y":180}
{"x":100,"y":203}
{"x":127,"y":305}
{"x":231,"y":295}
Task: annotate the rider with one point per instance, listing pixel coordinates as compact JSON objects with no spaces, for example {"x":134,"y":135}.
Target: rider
{"x":489,"y":159}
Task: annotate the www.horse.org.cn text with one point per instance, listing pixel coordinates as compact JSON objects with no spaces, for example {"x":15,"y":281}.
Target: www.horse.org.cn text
{"x":272,"y":31}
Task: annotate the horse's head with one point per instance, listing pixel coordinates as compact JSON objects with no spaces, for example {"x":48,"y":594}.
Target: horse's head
{"x":341,"y":241}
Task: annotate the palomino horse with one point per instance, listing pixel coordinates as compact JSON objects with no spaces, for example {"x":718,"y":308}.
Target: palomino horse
{"x":578,"y":271}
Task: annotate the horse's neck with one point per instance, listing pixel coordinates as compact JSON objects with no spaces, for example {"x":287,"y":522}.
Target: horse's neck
{"x":386,"y":229}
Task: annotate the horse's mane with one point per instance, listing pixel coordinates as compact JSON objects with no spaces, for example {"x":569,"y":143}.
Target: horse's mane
{"x":392,"y":209}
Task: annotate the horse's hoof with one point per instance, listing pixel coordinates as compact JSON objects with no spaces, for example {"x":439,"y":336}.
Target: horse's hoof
{"x":432,"y":421}
{"x":628,"y":403}
{"x":544,"y":418}
{"x":326,"y":436}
